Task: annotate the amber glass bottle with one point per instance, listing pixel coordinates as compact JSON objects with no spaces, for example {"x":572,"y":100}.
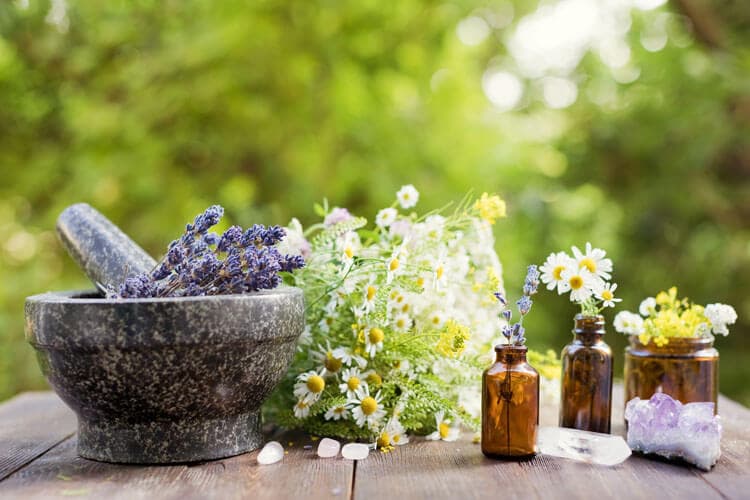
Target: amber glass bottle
{"x":685,"y":368}
{"x":586,"y":397}
{"x":510,"y":404}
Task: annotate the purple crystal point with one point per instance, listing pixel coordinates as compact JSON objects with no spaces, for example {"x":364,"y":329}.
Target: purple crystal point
{"x":668,"y":428}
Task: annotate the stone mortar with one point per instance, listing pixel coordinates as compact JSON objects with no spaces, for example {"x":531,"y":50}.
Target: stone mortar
{"x":165,"y":380}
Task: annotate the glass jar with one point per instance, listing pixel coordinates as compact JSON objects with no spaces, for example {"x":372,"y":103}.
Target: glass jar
{"x":510,"y":404}
{"x":686,"y":368}
{"x":586,"y":386}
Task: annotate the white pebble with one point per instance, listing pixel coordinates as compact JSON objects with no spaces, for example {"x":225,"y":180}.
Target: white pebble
{"x":271,"y":453}
{"x":328,"y":448}
{"x":355,"y":451}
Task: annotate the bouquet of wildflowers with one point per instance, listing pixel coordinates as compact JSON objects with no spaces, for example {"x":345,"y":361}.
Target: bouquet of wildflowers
{"x":585,"y":276}
{"x":401,"y":321}
{"x":666,"y":316}
{"x":201,"y":262}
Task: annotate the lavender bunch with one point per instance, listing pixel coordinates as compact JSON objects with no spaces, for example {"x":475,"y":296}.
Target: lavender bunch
{"x":201,"y":262}
{"x":514,"y":334}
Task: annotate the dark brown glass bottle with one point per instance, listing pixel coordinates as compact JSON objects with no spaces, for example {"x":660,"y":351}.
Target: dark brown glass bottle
{"x":586,"y":396}
{"x":685,"y":368}
{"x":510,"y":404}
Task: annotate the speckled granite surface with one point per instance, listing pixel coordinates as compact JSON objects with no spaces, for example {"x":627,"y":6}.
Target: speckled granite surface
{"x":165,"y":380}
{"x":100,"y":248}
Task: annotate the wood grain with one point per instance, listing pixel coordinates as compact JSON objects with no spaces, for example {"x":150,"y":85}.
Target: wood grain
{"x":421,"y":469}
{"x":62,"y":474}
{"x":31,"y":424}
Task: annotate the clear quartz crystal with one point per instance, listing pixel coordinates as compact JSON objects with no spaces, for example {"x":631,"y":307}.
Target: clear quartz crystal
{"x":584,"y":446}
{"x":328,"y":448}
{"x":355,"y":451}
{"x":666,"y":427}
{"x":271,"y":453}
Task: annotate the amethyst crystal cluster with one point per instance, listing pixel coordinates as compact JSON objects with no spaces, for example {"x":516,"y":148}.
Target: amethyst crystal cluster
{"x":666,"y":427}
{"x":201,"y":262}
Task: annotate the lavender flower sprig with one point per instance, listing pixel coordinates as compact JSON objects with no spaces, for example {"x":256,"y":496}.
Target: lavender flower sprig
{"x":514,"y":333}
{"x":203,"y":263}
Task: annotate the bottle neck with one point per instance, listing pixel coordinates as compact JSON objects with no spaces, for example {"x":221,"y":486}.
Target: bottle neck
{"x":510,"y":354}
{"x":589,"y":329}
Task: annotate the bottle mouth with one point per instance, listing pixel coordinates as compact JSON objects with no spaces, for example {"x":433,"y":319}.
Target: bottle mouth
{"x":510,"y":348}
{"x":589,"y":324}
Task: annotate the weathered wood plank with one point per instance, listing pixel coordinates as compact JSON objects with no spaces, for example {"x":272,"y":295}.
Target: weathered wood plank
{"x":31,"y":424}
{"x":449,"y":470}
{"x":61,"y":474}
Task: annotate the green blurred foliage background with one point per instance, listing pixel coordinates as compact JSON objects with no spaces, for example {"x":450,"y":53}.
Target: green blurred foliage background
{"x":622,"y":122}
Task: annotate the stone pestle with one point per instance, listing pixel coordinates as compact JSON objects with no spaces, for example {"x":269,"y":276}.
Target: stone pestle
{"x":100,"y":248}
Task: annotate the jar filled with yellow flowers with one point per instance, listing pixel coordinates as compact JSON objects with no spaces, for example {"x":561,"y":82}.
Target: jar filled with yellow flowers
{"x":671,"y":348}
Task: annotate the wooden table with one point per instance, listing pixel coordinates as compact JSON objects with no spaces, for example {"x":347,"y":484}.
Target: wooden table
{"x":38,"y":460}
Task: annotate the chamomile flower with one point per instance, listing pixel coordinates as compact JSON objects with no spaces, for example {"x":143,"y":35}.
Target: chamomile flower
{"x":372,"y":378}
{"x":407,"y":196}
{"x":436,"y":319}
{"x":386,"y":217}
{"x":552,"y":271}
{"x":580,"y":282}
{"x":393,"y":434}
{"x":337,"y":412}
{"x":594,"y":261}
{"x":309,"y":387}
{"x":395,"y":264}
{"x":402,"y":322}
{"x":445,"y":431}
{"x":647,"y":307}
{"x":348,"y":357}
{"x":301,"y":409}
{"x":366,"y":409}
{"x":327,"y":357}
{"x":369,"y":294}
{"x":606,"y":293}
{"x":373,"y":341}
{"x":628,"y":323}
{"x":350,"y":246}
{"x":351,"y":382}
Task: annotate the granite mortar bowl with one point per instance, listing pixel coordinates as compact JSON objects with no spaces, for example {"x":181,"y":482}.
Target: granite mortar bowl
{"x":165,"y":380}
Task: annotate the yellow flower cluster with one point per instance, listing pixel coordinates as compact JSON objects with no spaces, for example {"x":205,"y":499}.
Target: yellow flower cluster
{"x":672,"y":317}
{"x":453,"y":339}
{"x":490,"y":208}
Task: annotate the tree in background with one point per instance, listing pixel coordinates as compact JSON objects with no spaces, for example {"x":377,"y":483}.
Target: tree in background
{"x":625,"y":123}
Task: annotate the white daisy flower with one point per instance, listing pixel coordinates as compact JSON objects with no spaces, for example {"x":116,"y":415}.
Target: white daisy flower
{"x":393,"y":434}
{"x":346,"y":355}
{"x":606,"y":293}
{"x":366,"y":409}
{"x":326,"y":356}
{"x":301,"y":409}
{"x":369,"y":292}
{"x":373,"y":341}
{"x":309,"y":387}
{"x":594,"y":261}
{"x":407,"y":196}
{"x":445,"y":431}
{"x":436,"y":319}
{"x":580,"y":283}
{"x":350,"y":245}
{"x":337,"y":412}
{"x":402,"y":322}
{"x":386,"y":217}
{"x":720,"y":315}
{"x":351,"y":382}
{"x":552,"y":271}
{"x":647,"y":307}
{"x":628,"y":323}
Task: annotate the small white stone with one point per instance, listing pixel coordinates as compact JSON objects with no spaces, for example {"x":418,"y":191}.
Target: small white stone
{"x":328,"y":448}
{"x":355,"y":451}
{"x":271,"y":453}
